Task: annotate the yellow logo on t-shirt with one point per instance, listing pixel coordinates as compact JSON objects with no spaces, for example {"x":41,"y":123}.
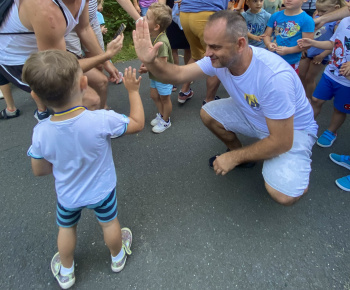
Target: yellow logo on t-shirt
{"x":252,"y":101}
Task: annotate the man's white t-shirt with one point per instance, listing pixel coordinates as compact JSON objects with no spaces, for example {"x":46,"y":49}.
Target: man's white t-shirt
{"x":81,"y":154}
{"x":268,"y":88}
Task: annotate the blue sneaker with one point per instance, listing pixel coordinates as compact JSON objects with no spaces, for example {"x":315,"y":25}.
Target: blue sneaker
{"x":41,"y":115}
{"x":343,"y":183}
{"x":342,"y":160}
{"x":326,"y":139}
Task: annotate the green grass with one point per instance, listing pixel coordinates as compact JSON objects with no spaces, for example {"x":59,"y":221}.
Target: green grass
{"x":128,"y":50}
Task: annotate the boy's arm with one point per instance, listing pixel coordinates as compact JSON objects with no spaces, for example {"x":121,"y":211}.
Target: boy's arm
{"x":306,"y":43}
{"x":41,"y":167}
{"x":283,"y":50}
{"x":255,"y":37}
{"x":271,"y":46}
{"x":137,"y":115}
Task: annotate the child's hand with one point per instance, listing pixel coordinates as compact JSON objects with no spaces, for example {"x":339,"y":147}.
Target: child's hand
{"x":130,"y":81}
{"x":345,"y":69}
{"x":282,"y":50}
{"x":272,"y":46}
{"x":143,"y":69}
{"x":137,"y":8}
{"x":104,"y":29}
{"x":317,"y":59}
{"x":304,"y":43}
{"x":303,"y":54}
{"x":259,"y":37}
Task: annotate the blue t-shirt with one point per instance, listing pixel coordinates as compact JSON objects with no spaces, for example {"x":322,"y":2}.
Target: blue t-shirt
{"x":256,"y":25}
{"x":286,"y":30}
{"x":193,"y":6}
{"x":322,"y":34}
{"x":100,"y":18}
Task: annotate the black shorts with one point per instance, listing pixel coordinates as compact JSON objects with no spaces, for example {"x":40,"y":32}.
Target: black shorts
{"x":13,"y":74}
{"x":177,"y":37}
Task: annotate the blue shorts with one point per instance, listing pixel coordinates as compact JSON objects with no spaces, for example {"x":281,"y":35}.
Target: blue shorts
{"x":163,"y":89}
{"x":143,"y":10}
{"x":105,"y":211}
{"x":328,"y":88}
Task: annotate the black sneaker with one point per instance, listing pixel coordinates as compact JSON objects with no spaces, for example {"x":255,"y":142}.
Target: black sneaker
{"x":216,"y":98}
{"x":242,"y":165}
{"x":41,"y":115}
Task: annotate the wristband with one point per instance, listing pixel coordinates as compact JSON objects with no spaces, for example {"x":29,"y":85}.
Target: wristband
{"x":138,"y":19}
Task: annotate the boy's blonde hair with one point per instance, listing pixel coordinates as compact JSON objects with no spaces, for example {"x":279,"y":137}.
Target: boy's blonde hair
{"x":341,"y":3}
{"x":162,"y":15}
{"x":52,"y":75}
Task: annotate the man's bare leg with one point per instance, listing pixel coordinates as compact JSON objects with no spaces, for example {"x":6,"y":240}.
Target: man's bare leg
{"x":91,"y":99}
{"x":229,"y":138}
{"x":282,"y":198}
{"x":98,"y":81}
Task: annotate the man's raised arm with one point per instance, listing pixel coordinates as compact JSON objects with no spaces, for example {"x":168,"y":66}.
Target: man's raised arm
{"x":165,"y":72}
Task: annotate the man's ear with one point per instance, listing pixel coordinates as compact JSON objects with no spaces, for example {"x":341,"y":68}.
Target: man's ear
{"x":241,"y":43}
{"x":83,"y":83}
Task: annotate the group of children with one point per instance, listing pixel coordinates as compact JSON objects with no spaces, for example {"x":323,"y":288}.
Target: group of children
{"x":286,"y":33}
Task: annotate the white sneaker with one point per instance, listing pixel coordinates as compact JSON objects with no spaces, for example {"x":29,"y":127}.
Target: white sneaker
{"x":156,"y":120}
{"x":161,"y":126}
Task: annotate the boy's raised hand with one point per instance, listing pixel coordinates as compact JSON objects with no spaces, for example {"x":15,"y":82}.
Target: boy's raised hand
{"x":130,"y":81}
{"x":145,"y":51}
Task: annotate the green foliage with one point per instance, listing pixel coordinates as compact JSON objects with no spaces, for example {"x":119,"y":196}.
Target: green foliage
{"x":115,"y":15}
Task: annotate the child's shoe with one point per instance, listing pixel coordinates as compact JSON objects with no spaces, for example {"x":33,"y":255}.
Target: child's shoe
{"x":326,"y":139}
{"x":41,"y":115}
{"x":156,"y":120}
{"x":64,"y":281}
{"x":161,"y":126}
{"x":126,"y":245}
{"x":343,"y":183}
{"x":183,"y":97}
{"x":342,"y":160}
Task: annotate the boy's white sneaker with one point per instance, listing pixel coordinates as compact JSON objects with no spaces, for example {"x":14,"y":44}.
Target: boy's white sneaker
{"x":126,"y":245}
{"x":64,"y":281}
{"x":161,"y":126}
{"x":156,"y":120}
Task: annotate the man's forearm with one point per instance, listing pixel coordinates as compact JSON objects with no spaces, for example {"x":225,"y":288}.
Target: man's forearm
{"x":88,"y":63}
{"x":335,"y":15}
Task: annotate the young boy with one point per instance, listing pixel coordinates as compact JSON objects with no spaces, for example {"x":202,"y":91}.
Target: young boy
{"x":287,"y":26}
{"x":256,"y":18}
{"x":335,"y":81}
{"x":75,"y":146}
{"x":159,"y":18}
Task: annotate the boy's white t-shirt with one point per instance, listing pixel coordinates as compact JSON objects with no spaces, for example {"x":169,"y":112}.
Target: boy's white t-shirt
{"x":268,"y":88}
{"x":340,"y":53}
{"x":81,"y":154}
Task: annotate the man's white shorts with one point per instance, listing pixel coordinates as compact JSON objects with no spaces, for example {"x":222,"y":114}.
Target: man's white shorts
{"x":289,"y":172}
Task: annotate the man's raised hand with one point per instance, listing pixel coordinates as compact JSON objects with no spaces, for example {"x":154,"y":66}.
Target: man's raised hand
{"x":145,"y":51}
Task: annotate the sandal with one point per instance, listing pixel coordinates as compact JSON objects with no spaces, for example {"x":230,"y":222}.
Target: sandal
{"x":4,"y":115}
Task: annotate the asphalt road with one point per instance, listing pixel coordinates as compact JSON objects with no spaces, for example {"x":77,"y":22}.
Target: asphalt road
{"x":192,"y":229}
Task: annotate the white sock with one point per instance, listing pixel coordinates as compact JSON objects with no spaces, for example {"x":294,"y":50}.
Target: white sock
{"x":66,"y":271}
{"x":118,"y":257}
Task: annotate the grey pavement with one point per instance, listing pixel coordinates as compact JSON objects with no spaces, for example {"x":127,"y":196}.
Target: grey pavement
{"x":191,"y":228}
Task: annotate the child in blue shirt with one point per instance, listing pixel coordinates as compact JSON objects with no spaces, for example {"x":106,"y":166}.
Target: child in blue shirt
{"x":285,"y":28}
{"x":256,"y":18}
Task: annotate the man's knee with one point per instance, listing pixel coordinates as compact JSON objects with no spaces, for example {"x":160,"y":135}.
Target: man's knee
{"x":281,"y":198}
{"x":206,"y":118}
{"x":97,"y":79}
{"x":91,"y":99}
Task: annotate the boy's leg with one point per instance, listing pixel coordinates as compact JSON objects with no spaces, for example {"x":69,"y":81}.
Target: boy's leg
{"x":10,"y":103}
{"x":337,"y":120}
{"x":156,"y":99}
{"x":303,"y":68}
{"x":323,"y":92}
{"x":66,"y":242}
{"x":317,"y":106}
{"x":112,"y":236}
{"x":167,"y":107}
